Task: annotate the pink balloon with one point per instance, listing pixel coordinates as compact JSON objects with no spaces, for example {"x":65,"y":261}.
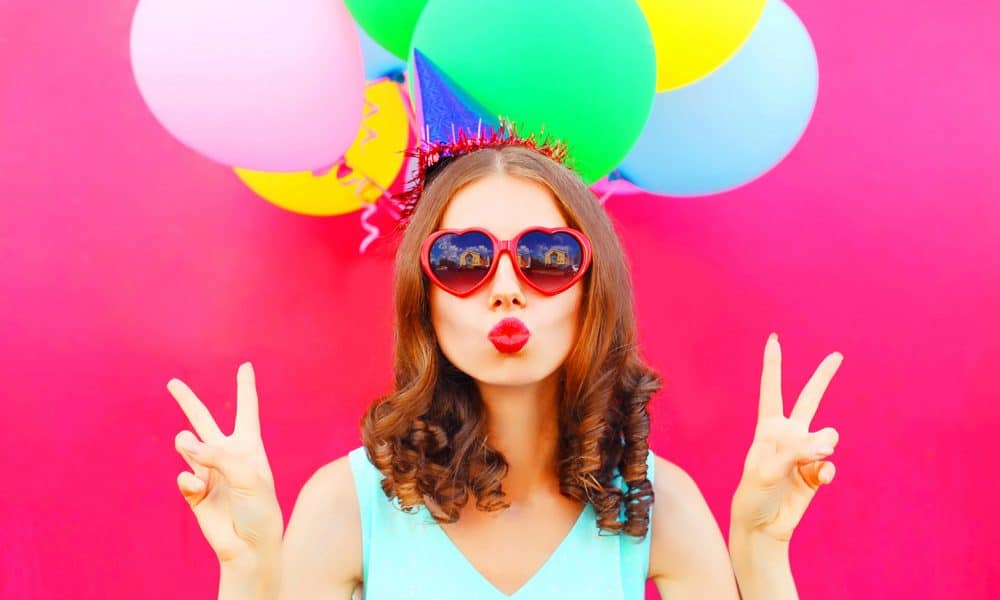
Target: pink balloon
{"x":269,"y":85}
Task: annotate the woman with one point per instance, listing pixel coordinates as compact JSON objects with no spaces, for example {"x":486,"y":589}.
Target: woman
{"x":511,"y":460}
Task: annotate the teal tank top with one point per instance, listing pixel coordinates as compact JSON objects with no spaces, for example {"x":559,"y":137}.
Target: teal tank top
{"x":408,"y":555}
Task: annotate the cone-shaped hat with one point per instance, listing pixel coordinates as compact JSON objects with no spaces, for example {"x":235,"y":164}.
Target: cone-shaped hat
{"x":443,"y":107}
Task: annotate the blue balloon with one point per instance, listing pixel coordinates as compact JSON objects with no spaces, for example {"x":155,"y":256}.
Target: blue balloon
{"x":738,"y":122}
{"x":379,"y":62}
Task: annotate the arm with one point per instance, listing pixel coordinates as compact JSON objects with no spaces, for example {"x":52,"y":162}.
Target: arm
{"x":761,"y":565}
{"x":781,"y":474}
{"x":321,"y":551}
{"x":245,"y":581}
{"x":687,"y":554}
{"x":320,"y":555}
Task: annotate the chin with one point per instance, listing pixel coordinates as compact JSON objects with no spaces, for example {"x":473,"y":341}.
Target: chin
{"x":511,"y":369}
{"x":509,"y":381}
{"x":488,"y":365}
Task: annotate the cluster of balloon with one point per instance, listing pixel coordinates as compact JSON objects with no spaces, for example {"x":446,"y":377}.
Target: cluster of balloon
{"x":675,"y":98}
{"x":252,"y":84}
{"x":308,"y":101}
{"x":278,"y":93}
{"x":366,"y":170}
{"x":739,"y":80}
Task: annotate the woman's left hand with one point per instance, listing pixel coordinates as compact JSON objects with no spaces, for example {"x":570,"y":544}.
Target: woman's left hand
{"x":785,"y":465}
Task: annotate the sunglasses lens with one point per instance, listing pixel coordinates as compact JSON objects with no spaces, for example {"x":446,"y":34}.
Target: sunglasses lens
{"x":460,"y":262}
{"x":549,"y":260}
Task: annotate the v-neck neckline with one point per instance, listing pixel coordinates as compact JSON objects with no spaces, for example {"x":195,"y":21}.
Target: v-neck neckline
{"x":467,"y":564}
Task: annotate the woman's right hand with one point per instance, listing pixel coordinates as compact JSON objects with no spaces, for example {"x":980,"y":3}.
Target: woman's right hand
{"x":231,"y":490}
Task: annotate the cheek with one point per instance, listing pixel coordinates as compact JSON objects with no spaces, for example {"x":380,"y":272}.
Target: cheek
{"x":452,"y":319}
{"x":563,"y":319}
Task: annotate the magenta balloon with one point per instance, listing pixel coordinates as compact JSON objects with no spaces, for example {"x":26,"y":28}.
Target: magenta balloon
{"x":269,"y":85}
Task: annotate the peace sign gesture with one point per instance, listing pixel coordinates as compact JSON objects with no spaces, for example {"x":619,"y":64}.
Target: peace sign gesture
{"x":785,"y":465}
{"x":231,"y":490}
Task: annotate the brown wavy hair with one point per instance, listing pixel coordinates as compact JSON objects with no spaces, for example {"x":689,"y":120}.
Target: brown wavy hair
{"x":428,"y":436}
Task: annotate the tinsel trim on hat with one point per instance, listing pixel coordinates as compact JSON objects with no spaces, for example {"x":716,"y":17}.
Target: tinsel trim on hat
{"x":432,"y":156}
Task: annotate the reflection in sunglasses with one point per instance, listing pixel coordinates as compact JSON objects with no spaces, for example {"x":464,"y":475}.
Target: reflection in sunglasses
{"x":549,"y":261}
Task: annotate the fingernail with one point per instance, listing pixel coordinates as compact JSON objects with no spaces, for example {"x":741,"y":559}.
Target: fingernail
{"x":822,"y":450}
{"x":188,"y":445}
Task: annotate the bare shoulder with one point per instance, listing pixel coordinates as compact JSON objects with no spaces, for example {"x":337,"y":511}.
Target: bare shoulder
{"x":321,"y":550}
{"x":688,"y":555}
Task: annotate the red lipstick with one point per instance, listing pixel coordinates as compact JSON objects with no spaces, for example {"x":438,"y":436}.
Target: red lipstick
{"x":509,"y":335}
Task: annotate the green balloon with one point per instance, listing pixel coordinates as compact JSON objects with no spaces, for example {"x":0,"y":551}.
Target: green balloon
{"x":583,"y":70}
{"x":388,"y":22}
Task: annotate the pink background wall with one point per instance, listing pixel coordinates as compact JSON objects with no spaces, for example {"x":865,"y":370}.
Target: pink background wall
{"x":126,"y":259}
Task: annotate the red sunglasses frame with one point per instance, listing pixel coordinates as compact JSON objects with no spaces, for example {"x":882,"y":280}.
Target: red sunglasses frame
{"x":510,"y":247}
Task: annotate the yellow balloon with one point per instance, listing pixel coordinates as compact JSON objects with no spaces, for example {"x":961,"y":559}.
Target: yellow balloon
{"x":370,"y":165}
{"x":694,"y":38}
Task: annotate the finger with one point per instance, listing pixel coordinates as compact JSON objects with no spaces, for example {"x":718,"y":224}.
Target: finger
{"x":827,"y":437}
{"x":183,"y":440}
{"x":817,"y":473}
{"x":202,"y":421}
{"x":192,"y":488}
{"x":800,"y":455}
{"x":827,"y":472}
{"x":808,"y":401}
{"x":770,"y":380}
{"x":247,"y":418}
{"x":237,"y":473}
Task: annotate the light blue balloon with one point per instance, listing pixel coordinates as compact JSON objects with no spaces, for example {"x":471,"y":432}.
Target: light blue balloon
{"x":737,"y":123}
{"x":379,"y":62}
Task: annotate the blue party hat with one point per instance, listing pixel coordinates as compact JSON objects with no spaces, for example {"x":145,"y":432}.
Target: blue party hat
{"x":443,"y":108}
{"x":452,"y":123}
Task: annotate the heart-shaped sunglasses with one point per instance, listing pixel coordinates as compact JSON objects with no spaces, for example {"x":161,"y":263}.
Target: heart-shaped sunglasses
{"x":549,"y":260}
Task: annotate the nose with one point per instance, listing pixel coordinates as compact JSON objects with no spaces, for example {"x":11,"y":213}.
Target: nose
{"x":505,"y":288}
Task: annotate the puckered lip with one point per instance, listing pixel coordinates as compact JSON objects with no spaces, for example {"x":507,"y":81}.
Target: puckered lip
{"x":509,"y":335}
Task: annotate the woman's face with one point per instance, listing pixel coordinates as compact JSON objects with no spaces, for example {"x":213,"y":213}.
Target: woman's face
{"x":505,"y":206}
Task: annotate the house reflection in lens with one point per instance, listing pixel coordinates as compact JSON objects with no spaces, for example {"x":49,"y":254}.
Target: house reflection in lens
{"x":461,"y":261}
{"x":556,"y":258}
{"x":472,"y":258}
{"x":549,"y":260}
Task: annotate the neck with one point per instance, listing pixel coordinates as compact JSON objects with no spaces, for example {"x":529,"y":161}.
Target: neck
{"x":523,"y":425}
